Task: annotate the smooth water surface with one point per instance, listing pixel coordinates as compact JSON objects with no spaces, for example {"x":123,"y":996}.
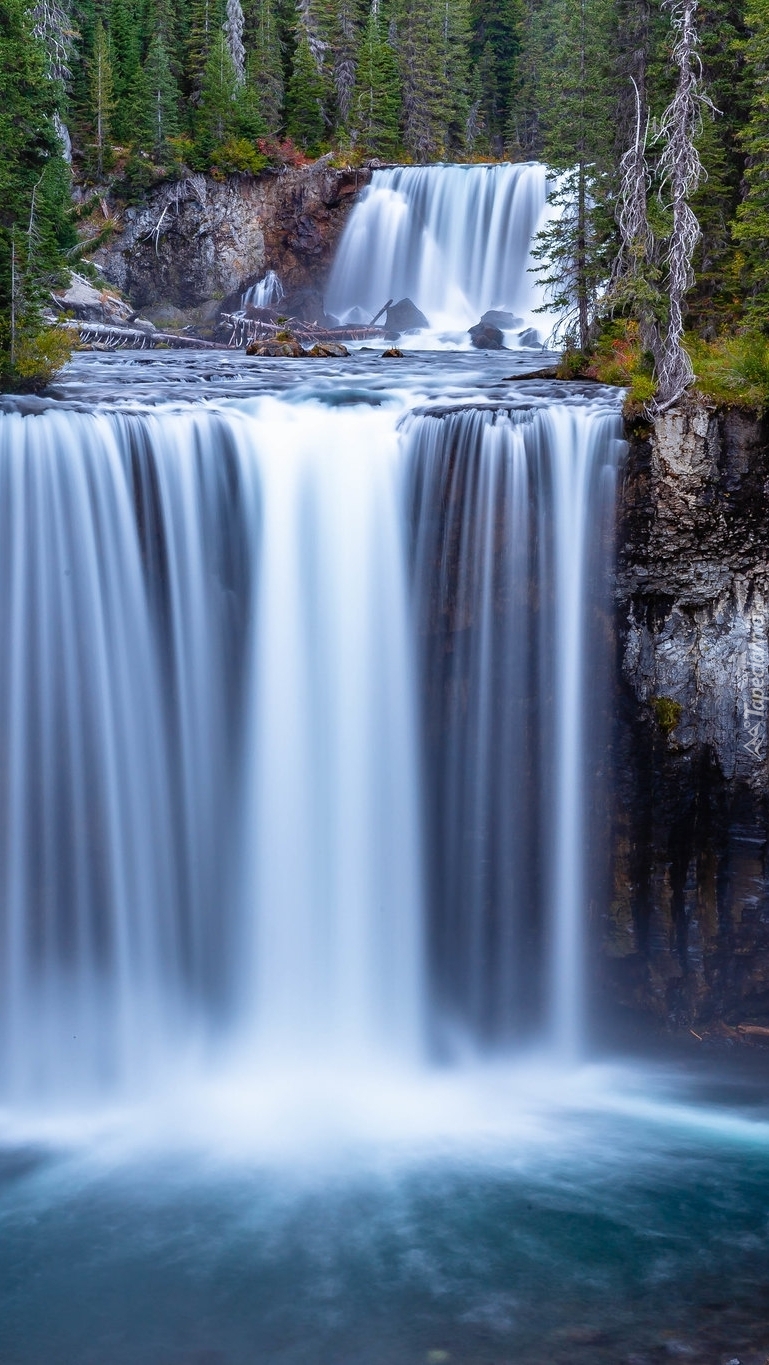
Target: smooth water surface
{"x":506,"y":1215}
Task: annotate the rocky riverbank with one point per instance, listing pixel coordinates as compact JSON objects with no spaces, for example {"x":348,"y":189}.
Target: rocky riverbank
{"x":687,"y":934}
{"x":197,"y":243}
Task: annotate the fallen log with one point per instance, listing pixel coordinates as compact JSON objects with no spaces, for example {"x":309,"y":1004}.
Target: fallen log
{"x":382,"y":310}
{"x":118,"y":338}
{"x":245,"y":330}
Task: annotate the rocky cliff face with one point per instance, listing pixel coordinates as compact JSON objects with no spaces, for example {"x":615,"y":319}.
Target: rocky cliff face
{"x":687,"y":936}
{"x":199,"y":239}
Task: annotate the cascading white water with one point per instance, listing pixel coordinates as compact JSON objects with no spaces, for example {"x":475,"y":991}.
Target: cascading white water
{"x":513,"y":515}
{"x":266,"y":293}
{"x":454,"y":239}
{"x":208,"y":757}
{"x":213,"y":660}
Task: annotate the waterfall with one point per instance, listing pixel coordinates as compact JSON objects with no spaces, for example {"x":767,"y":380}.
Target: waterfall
{"x":266,"y":293}
{"x":454,"y":239}
{"x":513,"y":513}
{"x":294,"y":748}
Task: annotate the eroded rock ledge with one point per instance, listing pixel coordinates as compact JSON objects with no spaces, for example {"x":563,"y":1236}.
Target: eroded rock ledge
{"x":687,"y":937}
{"x":200,"y":239}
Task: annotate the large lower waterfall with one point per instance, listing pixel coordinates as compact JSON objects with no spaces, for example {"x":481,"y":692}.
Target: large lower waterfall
{"x":293,"y":737}
{"x":455,"y":239}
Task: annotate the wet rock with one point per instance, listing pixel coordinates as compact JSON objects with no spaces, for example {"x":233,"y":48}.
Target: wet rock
{"x":496,"y":317}
{"x":485,"y":337}
{"x":392,"y":354}
{"x":306,"y":305}
{"x":328,"y":349}
{"x":404,"y":316}
{"x":275,"y":349}
{"x":167,"y":317}
{"x":686,"y":934}
{"x":530,"y":337}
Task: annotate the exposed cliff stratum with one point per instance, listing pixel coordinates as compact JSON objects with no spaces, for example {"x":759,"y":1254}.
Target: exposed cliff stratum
{"x":199,"y":239}
{"x":688,"y":931}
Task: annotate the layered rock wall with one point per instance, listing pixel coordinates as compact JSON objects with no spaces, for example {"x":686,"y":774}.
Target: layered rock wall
{"x":200,"y":239}
{"x":687,"y":934}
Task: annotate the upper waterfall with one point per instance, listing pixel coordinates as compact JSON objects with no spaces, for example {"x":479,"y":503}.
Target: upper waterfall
{"x":454,"y":239}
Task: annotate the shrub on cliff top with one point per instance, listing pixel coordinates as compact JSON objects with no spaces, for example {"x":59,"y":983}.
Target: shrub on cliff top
{"x":733,"y":370}
{"x":616,"y":358}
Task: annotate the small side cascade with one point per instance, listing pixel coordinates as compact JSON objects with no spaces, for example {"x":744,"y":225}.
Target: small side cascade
{"x":266,"y":293}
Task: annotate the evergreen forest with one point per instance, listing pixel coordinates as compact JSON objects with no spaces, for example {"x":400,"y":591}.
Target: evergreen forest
{"x":611,"y":94}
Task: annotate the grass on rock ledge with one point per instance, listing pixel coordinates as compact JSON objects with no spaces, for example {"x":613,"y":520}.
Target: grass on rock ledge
{"x":732,"y":371}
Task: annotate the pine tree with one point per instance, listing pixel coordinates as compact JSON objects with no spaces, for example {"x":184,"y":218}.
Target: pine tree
{"x":376,"y":101}
{"x":217,"y":112}
{"x":455,"y":52}
{"x":34,"y":186}
{"x":523,"y":134}
{"x":126,"y":64}
{"x":262,"y":36}
{"x":722,"y":36}
{"x":159,"y":112}
{"x":249,"y":120}
{"x":102,"y":96}
{"x":751,"y":230}
{"x":304,"y":99}
{"x":654,"y":267}
{"x":52,"y":25}
{"x":344,"y":45}
{"x":494,"y":49}
{"x":577,"y":99}
{"x":427,"y":100}
{"x":205,"y":22}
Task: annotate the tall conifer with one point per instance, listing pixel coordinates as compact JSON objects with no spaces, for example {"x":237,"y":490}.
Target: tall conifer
{"x":159,"y":111}
{"x":376,"y":102}
{"x":102,"y":94}
{"x":752,"y":226}
{"x":217,"y":112}
{"x":304,"y":98}
{"x":262,"y":37}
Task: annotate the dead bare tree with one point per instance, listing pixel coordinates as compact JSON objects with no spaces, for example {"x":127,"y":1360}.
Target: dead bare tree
{"x":681,"y":172}
{"x":642,"y":258}
{"x":233,"y":32}
{"x":52,"y":24}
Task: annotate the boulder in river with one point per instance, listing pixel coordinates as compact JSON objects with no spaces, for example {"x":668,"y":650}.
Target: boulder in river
{"x":328,"y":349}
{"x":392,"y":353}
{"x":275,"y":348}
{"x":486,"y":337}
{"x":496,"y":317}
{"x":530,"y":337}
{"x":404,"y":316}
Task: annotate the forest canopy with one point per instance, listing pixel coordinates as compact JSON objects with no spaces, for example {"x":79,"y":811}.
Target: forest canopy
{"x":127,"y":92}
